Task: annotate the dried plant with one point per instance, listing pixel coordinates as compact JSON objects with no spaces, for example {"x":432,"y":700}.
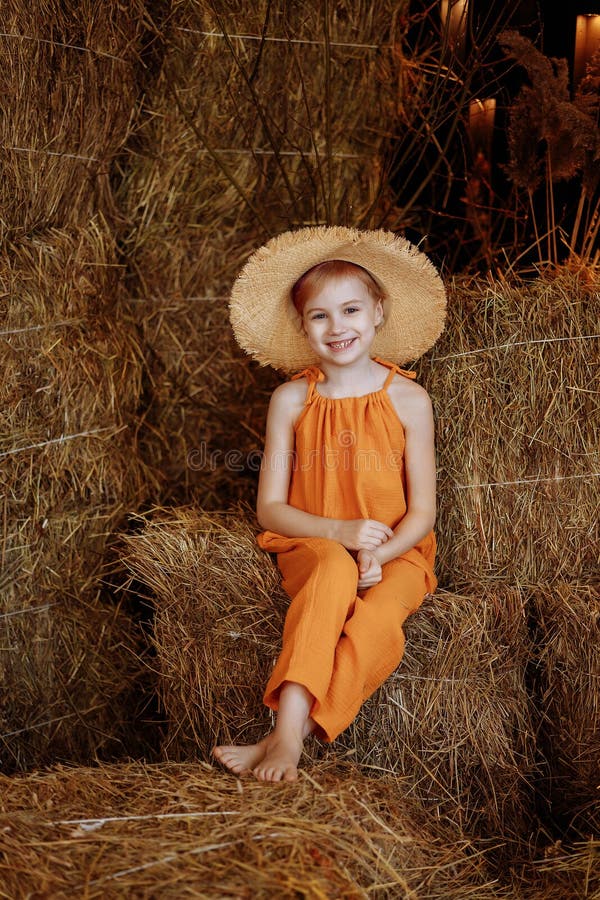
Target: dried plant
{"x":551,"y":138}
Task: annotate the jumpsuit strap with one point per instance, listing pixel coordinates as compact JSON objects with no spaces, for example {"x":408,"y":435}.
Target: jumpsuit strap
{"x":312,"y":374}
{"x":394,"y":369}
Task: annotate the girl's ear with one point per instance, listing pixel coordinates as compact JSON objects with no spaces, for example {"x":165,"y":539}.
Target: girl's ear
{"x":378,"y":313}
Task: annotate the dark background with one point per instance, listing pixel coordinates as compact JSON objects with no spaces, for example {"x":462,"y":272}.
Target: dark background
{"x":440,"y":212}
{"x":558,"y":25}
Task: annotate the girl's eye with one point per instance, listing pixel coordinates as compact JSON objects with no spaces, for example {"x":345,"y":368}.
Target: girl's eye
{"x":352,"y":309}
{"x":317,"y":315}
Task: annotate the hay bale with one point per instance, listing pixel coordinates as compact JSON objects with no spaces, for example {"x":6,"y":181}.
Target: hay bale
{"x":455,"y":718}
{"x":71,"y":382}
{"x":169,"y":830}
{"x":217,"y":619}
{"x":216,"y":172}
{"x":68,"y":91}
{"x":514,"y":385}
{"x":567,"y":636}
{"x":72,"y":679}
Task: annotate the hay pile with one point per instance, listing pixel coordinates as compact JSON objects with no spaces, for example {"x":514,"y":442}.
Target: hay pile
{"x":213,"y":173}
{"x":70,"y":387}
{"x":454,"y":720}
{"x":172,"y":830}
{"x":514,"y":383}
{"x":68,"y":87}
{"x":568,"y":637}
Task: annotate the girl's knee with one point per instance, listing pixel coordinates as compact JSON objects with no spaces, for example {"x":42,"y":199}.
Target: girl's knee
{"x":334,"y":556}
{"x":323,"y":561}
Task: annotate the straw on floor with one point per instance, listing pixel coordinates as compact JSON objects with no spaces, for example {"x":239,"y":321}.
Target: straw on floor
{"x":172,"y":830}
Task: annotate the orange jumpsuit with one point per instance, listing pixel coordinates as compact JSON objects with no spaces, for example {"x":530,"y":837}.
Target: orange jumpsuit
{"x":340,"y":643}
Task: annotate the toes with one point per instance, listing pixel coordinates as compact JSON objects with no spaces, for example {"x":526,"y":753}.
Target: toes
{"x":276,"y":773}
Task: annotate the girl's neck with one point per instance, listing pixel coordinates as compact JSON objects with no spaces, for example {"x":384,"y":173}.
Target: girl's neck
{"x":361,"y":377}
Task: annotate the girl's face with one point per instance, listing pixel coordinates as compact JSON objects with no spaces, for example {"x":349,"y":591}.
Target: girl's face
{"x":340,"y":319}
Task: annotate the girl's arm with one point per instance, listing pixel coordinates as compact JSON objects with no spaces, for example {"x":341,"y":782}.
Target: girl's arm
{"x":420,"y":470}
{"x":272,"y":508}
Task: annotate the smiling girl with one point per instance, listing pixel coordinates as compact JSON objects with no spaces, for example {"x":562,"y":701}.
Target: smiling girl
{"x":346,"y":494}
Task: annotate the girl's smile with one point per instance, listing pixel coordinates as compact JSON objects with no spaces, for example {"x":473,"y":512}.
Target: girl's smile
{"x":341,"y":345}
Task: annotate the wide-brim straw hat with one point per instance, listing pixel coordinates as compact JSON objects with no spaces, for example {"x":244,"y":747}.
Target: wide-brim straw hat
{"x":268,"y":327}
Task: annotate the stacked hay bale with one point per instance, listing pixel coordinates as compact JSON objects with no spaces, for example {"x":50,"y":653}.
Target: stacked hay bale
{"x":71,"y":380}
{"x":170,"y":829}
{"x":68,"y":90}
{"x":454,"y":721}
{"x":218,"y":613}
{"x":568,"y":636}
{"x":515,"y":387}
{"x":225,"y":159}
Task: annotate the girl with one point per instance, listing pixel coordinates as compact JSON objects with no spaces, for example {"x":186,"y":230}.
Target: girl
{"x":346,"y":493}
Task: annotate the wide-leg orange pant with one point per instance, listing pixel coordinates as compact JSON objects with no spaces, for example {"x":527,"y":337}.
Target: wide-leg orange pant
{"x":340,"y":644}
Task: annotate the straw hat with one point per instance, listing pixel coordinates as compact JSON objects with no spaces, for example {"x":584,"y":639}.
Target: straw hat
{"x":268,"y":327}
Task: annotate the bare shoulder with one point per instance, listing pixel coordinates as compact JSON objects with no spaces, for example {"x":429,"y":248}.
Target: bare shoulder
{"x":410,"y":400}
{"x":287,"y":400}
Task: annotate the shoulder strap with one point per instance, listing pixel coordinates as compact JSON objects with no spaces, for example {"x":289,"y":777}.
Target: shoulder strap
{"x":394,"y":369}
{"x":312,"y":374}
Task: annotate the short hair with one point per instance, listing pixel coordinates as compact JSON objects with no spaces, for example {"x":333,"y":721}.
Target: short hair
{"x":308,"y":283}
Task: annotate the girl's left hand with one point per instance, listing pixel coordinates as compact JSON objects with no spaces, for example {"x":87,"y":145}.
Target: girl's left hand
{"x":369,"y":569}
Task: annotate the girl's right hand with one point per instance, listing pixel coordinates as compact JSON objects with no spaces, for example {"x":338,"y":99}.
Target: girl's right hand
{"x":362,"y":534}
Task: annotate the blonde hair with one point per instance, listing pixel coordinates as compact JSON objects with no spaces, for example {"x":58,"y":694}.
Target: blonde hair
{"x":308,"y":283}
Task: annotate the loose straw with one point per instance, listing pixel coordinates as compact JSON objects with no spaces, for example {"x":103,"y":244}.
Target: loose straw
{"x":158,"y":299}
{"x":258,"y":151}
{"x":8,"y":734}
{"x":30,"y":609}
{"x":41,"y":327}
{"x":276,"y":40}
{"x":50,"y":153}
{"x":533,"y":480}
{"x":59,"y":440}
{"x":510,"y":345}
{"x":209,"y":848}
{"x":99,"y":822}
{"x":39,"y":40}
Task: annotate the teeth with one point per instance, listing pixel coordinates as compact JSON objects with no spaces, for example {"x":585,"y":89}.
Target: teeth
{"x":339,"y":344}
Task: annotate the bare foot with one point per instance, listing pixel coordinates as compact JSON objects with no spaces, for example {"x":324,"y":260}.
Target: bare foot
{"x":280,"y":761}
{"x":242,"y":758}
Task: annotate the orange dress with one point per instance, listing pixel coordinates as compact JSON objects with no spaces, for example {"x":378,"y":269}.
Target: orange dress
{"x":341,"y":644}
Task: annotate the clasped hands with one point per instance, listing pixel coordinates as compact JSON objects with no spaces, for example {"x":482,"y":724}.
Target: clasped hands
{"x":365,"y":536}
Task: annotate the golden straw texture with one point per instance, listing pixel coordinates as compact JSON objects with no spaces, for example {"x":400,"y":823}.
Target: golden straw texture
{"x":514,"y":382}
{"x":67,"y":90}
{"x":567,"y":636}
{"x":185,"y":830}
{"x":69,"y":389}
{"x":213,"y":173}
